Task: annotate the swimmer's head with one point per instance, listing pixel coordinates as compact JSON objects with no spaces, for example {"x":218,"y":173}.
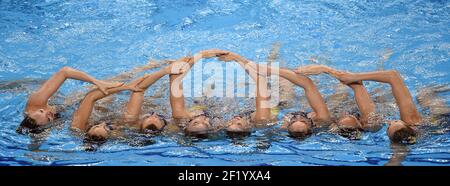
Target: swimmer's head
{"x":41,"y":116}
{"x":198,"y":126}
{"x":35,"y":121}
{"x":238,"y":126}
{"x":399,"y":132}
{"x":299,"y":125}
{"x":153,"y":122}
{"x":99,"y":132}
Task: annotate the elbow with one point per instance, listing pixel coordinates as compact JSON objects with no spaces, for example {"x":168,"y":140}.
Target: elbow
{"x":395,"y":76}
{"x":308,"y":84}
{"x":64,"y":70}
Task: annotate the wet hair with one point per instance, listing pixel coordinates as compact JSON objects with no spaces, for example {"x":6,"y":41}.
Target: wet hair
{"x":95,"y":138}
{"x":29,"y":125}
{"x":404,"y":135}
{"x":352,"y":134}
{"x":197,"y":134}
{"x":92,"y":143}
{"x":238,"y":134}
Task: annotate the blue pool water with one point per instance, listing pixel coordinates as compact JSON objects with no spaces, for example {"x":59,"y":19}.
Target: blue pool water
{"x":106,"y":37}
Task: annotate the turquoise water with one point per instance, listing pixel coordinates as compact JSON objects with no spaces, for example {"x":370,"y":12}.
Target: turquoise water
{"x":106,"y":37}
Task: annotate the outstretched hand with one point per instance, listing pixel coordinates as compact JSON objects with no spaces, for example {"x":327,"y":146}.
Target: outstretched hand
{"x":104,"y":85}
{"x":344,"y":77}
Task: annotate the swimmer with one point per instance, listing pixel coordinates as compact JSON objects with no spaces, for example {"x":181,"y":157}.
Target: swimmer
{"x":152,"y":122}
{"x":350,"y":123}
{"x":402,"y":130}
{"x":242,"y":124}
{"x":197,"y":121}
{"x":39,"y":113}
{"x":301,"y":123}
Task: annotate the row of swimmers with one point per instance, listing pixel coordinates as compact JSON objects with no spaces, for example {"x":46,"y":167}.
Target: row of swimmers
{"x":38,"y":113}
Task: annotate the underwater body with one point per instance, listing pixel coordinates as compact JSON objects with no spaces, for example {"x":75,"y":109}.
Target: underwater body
{"x":106,"y":38}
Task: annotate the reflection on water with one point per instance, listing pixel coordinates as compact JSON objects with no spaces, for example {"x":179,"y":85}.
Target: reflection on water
{"x":106,"y":38}
{"x":399,"y":153}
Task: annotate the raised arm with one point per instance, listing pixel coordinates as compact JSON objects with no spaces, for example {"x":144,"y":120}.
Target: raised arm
{"x":134,"y":105}
{"x":363,"y":101}
{"x":408,"y":111}
{"x":176,"y":86}
{"x":365,"y":104}
{"x":262,"y":110}
{"x":41,"y":96}
{"x":176,"y":92}
{"x":313,"y":96}
{"x":81,"y":116}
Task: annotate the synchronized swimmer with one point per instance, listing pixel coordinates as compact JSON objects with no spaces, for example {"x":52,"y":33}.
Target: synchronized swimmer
{"x":197,"y":122}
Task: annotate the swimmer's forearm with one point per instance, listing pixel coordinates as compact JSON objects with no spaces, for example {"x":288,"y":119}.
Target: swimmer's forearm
{"x":81,"y":116}
{"x":149,"y":79}
{"x":96,"y":94}
{"x":363,"y":100}
{"x":379,"y":76}
{"x":134,"y":106}
{"x":176,"y":98}
{"x":262,"y":110}
{"x":78,"y":75}
{"x":317,"y":104}
{"x":137,"y":98}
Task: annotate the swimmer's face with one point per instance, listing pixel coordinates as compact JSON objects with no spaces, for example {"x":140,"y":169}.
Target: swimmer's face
{"x":238,"y":124}
{"x":99,"y":132}
{"x":42,"y":116}
{"x":299,"y":129}
{"x":198,"y":125}
{"x":349,"y":122}
{"x":153,"y":122}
